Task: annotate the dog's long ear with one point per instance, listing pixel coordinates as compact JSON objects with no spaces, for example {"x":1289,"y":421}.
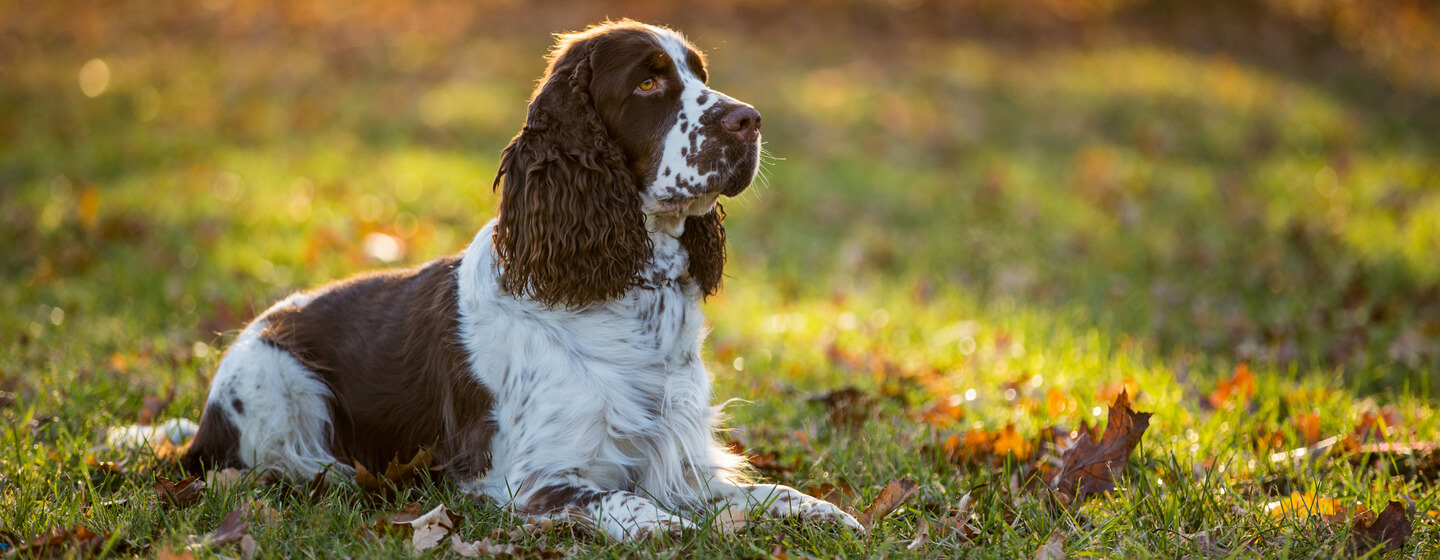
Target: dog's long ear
{"x":570,"y":230}
{"x":704,"y":239}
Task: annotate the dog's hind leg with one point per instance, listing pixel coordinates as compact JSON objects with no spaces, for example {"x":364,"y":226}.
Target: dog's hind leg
{"x":265,"y":411}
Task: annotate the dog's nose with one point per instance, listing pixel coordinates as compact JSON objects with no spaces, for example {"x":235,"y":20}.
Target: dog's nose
{"x":744,"y":122}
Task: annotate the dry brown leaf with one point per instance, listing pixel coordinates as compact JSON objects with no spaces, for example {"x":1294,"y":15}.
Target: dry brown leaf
{"x":77,"y":541}
{"x":892,"y":496}
{"x":232,"y":529}
{"x":779,"y":552}
{"x":1089,"y":468}
{"x":397,"y":475}
{"x":173,"y":555}
{"x":184,"y":493}
{"x":1053,"y":549}
{"x":922,"y":535}
{"x":1390,"y":531}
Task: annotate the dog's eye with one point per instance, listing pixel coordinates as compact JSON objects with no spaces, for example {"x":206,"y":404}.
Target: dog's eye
{"x":648,"y":84}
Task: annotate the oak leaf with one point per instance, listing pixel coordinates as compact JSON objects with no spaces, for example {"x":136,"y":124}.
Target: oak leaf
{"x":895,"y":494}
{"x":1089,"y":467}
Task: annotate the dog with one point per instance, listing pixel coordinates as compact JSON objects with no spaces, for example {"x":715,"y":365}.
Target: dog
{"x":554,"y":365}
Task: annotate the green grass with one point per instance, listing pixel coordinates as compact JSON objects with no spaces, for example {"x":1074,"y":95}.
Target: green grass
{"x":948,"y":213}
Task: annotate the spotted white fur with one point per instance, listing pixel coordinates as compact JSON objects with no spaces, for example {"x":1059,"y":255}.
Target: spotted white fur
{"x":676,"y":179}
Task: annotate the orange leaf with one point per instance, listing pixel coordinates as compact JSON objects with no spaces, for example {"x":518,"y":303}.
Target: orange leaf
{"x":944,"y":412}
{"x":1008,"y":441}
{"x":1241,"y":384}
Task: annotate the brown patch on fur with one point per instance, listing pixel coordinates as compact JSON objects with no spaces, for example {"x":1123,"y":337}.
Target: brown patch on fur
{"x":558,"y":497}
{"x":388,"y":346}
{"x":216,"y":444}
{"x":704,"y":239}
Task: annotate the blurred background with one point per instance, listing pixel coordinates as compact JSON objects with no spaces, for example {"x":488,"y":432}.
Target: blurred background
{"x":1202,"y":183}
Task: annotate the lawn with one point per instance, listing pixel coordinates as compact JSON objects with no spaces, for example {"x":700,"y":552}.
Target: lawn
{"x":982,"y":222}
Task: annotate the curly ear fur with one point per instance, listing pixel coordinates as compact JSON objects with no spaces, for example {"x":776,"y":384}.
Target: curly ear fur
{"x":570,"y":230}
{"x":704,"y":239}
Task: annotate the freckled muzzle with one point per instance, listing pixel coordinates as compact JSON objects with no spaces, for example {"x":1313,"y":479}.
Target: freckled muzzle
{"x":736,"y":127}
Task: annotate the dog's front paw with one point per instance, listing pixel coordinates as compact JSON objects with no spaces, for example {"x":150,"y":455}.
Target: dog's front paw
{"x":815,"y":509}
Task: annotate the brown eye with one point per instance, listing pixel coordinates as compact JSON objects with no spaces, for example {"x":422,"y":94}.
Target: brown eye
{"x":648,"y":84}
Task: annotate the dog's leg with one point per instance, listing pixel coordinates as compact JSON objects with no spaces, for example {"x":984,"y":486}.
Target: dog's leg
{"x":777,"y":500}
{"x":617,"y":513}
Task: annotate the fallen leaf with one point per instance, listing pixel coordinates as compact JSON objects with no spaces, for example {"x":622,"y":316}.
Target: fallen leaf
{"x":397,"y":475}
{"x":895,"y":494}
{"x":232,"y":529}
{"x":1053,"y":549}
{"x":944,"y":412}
{"x":1008,"y":441}
{"x":779,"y":552}
{"x":431,"y":528}
{"x":922,"y":535}
{"x":77,"y":541}
{"x":184,"y":493}
{"x":1299,"y":505}
{"x":172,"y":555}
{"x":1390,"y":531}
{"x":958,"y":520}
{"x":1089,"y":468}
{"x":107,"y":467}
{"x":1240,"y":386}
{"x":1308,"y":427}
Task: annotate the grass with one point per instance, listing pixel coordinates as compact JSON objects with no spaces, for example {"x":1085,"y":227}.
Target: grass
{"x":1022,"y":224}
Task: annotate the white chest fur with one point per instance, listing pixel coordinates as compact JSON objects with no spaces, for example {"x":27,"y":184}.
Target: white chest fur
{"x":614,"y":393}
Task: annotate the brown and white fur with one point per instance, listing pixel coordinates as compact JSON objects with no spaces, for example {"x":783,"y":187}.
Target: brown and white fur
{"x":555,"y":364}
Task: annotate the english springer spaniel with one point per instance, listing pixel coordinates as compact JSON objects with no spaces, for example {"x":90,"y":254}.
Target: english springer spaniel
{"x":555,"y":364}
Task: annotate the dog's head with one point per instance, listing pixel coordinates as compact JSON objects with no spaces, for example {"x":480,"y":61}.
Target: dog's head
{"x":622,"y":134}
